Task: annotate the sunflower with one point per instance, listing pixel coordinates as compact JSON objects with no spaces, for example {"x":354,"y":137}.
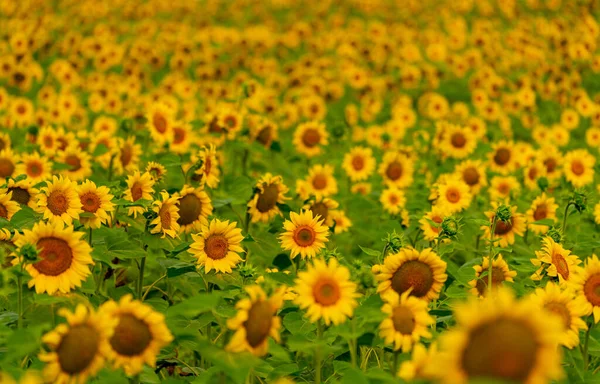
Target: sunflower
{"x":359,"y":163}
{"x":533,"y":172}
{"x":304,"y":234}
{"x":160,"y":123}
{"x":568,"y":307}
{"x":310,"y":137}
{"x":183,"y":137}
{"x":326,"y":292}
{"x":424,"y":273}
{"x":436,"y":215}
{"x":454,"y":195}
{"x":78,"y":348}
{"x":167,"y":212}
{"x":552,"y":159}
{"x":321,"y":208}
{"x":500,"y":338}
{"x":194,"y":208}
{"x":503,"y":187}
{"x":421,"y":364}
{"x":578,"y":166}
{"x":472,"y":172}
{"x":321,"y":181}
{"x":396,"y":169}
{"x":270,"y":191}
{"x":8,"y":163}
{"x":500,"y":273}
{"x":361,"y":188}
{"x":23,"y":193}
{"x":505,"y":232}
{"x":139,"y":334}
{"x":128,"y":155}
{"x":156,"y":170}
{"x":502,"y":159}
{"x":8,"y":207}
{"x":217,"y":246}
{"x":457,"y":142}
{"x":139,"y":187}
{"x":406,"y":323}
{"x":543,"y":207}
{"x":341,"y":221}
{"x":37,"y":168}
{"x":78,"y":162}
{"x":587,"y":286}
{"x":393,"y":200}
{"x":557,"y":261}
{"x":64,"y":258}
{"x":58,"y":200}
{"x":255,"y":321}
{"x":209,"y":172}
{"x":95,"y":201}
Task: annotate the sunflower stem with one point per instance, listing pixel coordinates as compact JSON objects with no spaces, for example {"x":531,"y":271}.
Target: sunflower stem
{"x":395,"y":363}
{"x":564,"y":223}
{"x":110,"y":167}
{"x":491,"y":254}
{"x":352,"y":344}
{"x":20,"y":300}
{"x":141,"y":279}
{"x":318,"y":353}
{"x":584,"y":351}
{"x":90,"y":237}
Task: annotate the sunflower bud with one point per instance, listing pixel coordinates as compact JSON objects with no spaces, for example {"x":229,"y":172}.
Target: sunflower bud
{"x":580,"y":201}
{"x":555,"y":235}
{"x":504,"y":213}
{"x":450,"y":227}
{"x":247,"y":270}
{"x":543,"y":183}
{"x":338,"y":131}
{"x":29,"y":252}
{"x":394,"y":241}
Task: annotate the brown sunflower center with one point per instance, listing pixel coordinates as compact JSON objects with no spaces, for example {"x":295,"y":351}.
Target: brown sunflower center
{"x":503,"y":349}
{"x":577,"y":168}
{"x":160,"y":123}
{"x":56,"y":256}
{"x":394,"y":171}
{"x":497,"y":279}
{"x":90,"y":202}
{"x":304,"y":236}
{"x":591,"y":289}
{"x":358,"y":163}
{"x":190,"y":209}
{"x":216,"y":247}
{"x":458,"y":140}
{"x":504,"y":188}
{"x":178,"y":135}
{"x":258,"y":324}
{"x":7,"y":167}
{"x":532,"y":173}
{"x":34,"y":169}
{"x":561,"y":310}
{"x":561,"y":265}
{"x":165,"y":216}
{"x":550,"y":164}
{"x":502,"y":156}
{"x":320,"y":209}
{"x":502,"y":228}
{"x":403,"y":319}
{"x":58,"y":203}
{"x":541,"y":212}
{"x":136,"y":191}
{"x":413,"y":274}
{"x":126,"y":155}
{"x":453,"y":195}
{"x":20,"y":195}
{"x":471,"y":176}
{"x":74,"y":162}
{"x":3,"y":211}
{"x":264,"y":136}
{"x":319,"y":181}
{"x":230,"y":122}
{"x":311,"y":138}
{"x":77,"y":349}
{"x":267,"y":199}
{"x":326,"y":292}
{"x":131,"y":337}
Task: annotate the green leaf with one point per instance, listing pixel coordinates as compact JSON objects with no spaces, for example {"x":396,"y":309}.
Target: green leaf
{"x":180,"y":269}
{"x":297,"y":324}
{"x":195,"y":305}
{"x":370,"y":252}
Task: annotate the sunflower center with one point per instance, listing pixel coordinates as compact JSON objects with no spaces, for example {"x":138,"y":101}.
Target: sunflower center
{"x":500,"y":349}
{"x":413,"y":274}
{"x":404,"y":320}
{"x":131,"y":336}
{"x":591,"y":289}
{"x":561,"y":265}
{"x":56,"y":256}
{"x":541,"y":212}
{"x":258,"y":324}
{"x":126,"y":155}
{"x":304,"y":236}
{"x":267,"y":199}
{"x":178,"y":135}
{"x":264,"y":136}
{"x":20,"y":195}
{"x":394,"y":171}
{"x":216,"y":247}
{"x":319,"y":182}
{"x":532,"y":173}
{"x":190,"y":209}
{"x":136,"y":191}
{"x":74,"y":162}
{"x":160,"y":123}
{"x":502,"y":156}
{"x":311,"y":138}
{"x":3,"y":211}
{"x":502,"y":228}
{"x":497,"y":279}
{"x":504,"y":189}
{"x":326,"y":292}
{"x":550,"y":164}
{"x":6,"y":167}
{"x":34,"y":169}
{"x":471,"y":176}
{"x":577,"y":167}
{"x":58,"y":202}
{"x":561,"y":310}
{"x":90,"y":202}
{"x":453,"y":195}
{"x":320,"y":209}
{"x":358,"y":163}
{"x":458,"y":140}
{"x":77,"y":349}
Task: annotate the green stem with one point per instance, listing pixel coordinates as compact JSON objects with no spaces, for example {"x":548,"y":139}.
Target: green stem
{"x":110,"y":167}
{"x":584,"y":351}
{"x":352,"y":344}
{"x":318,"y":353}
{"x":152,"y":286}
{"x":395,"y":364}
{"x":383,"y":252}
{"x":141,"y":279}
{"x":20,"y":300}
{"x":90,"y":237}
{"x":564,"y":223}
{"x":491,"y":253}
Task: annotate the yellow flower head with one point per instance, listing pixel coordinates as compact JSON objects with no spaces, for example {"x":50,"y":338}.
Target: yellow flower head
{"x":58,"y":201}
{"x":217,"y":246}
{"x":304,"y":235}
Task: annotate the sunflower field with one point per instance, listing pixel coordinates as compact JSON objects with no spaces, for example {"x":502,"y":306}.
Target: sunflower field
{"x":299,"y":191}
